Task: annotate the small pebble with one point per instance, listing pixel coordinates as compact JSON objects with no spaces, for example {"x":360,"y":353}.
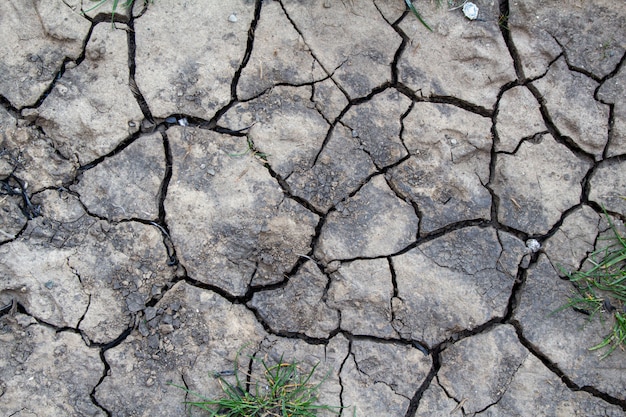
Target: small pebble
{"x":470,"y":10}
{"x":232,"y":18}
{"x":533,"y":245}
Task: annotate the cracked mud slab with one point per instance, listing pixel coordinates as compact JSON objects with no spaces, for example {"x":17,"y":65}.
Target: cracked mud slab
{"x":325,"y":182}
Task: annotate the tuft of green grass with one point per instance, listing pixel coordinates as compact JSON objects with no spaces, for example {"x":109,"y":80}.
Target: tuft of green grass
{"x":412,"y":8}
{"x":283,"y":392}
{"x":115,"y":5}
{"x":602,"y":289}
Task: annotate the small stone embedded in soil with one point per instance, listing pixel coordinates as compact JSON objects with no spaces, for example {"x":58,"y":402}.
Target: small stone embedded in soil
{"x":533,"y":245}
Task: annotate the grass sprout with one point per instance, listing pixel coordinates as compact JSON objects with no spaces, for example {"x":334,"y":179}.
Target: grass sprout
{"x":602,"y":289}
{"x":115,"y":5}
{"x":412,"y":8}
{"x":283,"y":392}
{"x":262,"y":156}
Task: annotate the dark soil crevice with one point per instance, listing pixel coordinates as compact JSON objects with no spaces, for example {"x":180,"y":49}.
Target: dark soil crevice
{"x":62,"y":69}
{"x":554,"y":131}
{"x":246,"y":57}
{"x":107,"y":367}
{"x":15,"y":186}
{"x":462,"y":104}
{"x":132,"y":66}
{"x":508,"y":39}
{"x":417,"y":397}
{"x":326,"y":70}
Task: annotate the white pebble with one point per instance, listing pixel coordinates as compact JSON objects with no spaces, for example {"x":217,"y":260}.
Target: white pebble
{"x":533,"y":245}
{"x":470,"y":10}
{"x":232,"y":18}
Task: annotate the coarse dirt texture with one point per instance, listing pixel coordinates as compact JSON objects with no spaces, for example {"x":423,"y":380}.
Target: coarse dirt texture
{"x":323,"y":181}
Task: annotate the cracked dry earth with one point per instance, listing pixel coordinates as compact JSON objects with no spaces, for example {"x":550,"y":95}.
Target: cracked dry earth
{"x":322,"y":180}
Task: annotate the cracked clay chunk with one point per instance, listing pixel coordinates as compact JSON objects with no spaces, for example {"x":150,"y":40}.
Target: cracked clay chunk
{"x":450,"y":153}
{"x":197,"y":334}
{"x":91,"y":109}
{"x":126,"y":185}
{"x":298,"y":307}
{"x":468,"y":61}
{"x":379,"y":379}
{"x":376,"y":125}
{"x":279,"y":55}
{"x":453,"y":283}
{"x":30,"y":155}
{"x":573,"y":240}
{"x":340,"y":169}
{"x":538,"y":28}
{"x":284,"y":126}
{"x":45,"y":372}
{"x":519,"y":117}
{"x":565,"y":336}
{"x":197,"y":81}
{"x":569,"y":99}
{"x":73,"y":270}
{"x":362,"y":291}
{"x":36,"y":36}
{"x":345,"y":39}
{"x":481,"y":367}
{"x":494,"y":372}
{"x":613,"y":91}
{"x":228,"y":218}
{"x":374,"y":222}
{"x":537,"y":184}
{"x":608,"y":185}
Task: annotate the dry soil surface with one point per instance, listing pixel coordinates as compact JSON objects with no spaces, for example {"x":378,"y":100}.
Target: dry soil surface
{"x":324,"y":180}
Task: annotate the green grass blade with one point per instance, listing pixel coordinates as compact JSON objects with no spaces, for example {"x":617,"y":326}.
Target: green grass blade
{"x":412,"y":8}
